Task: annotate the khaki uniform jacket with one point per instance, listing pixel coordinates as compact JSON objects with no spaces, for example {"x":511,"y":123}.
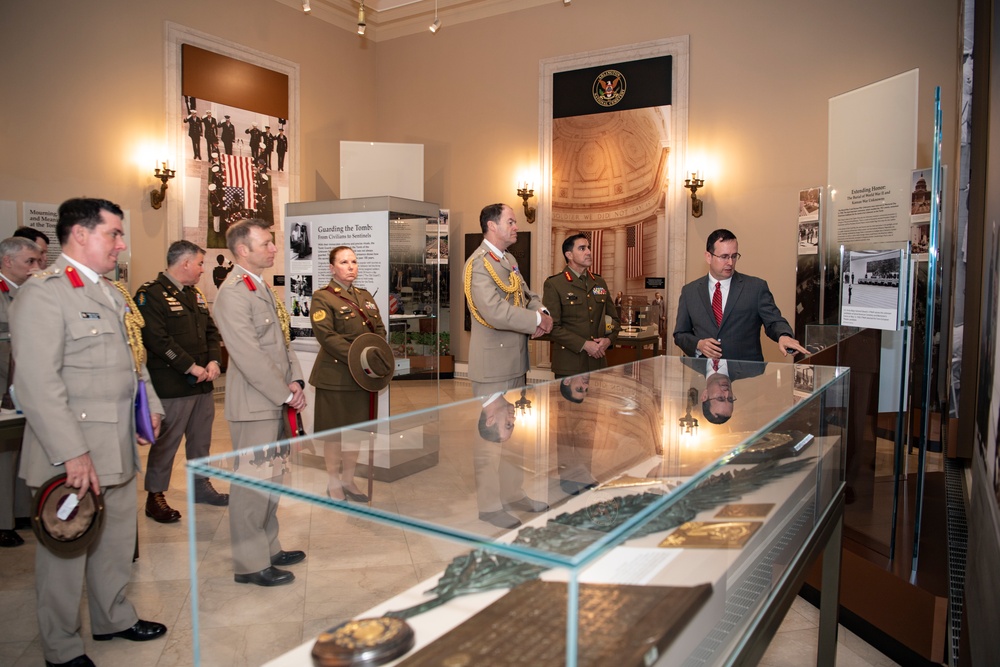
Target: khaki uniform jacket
{"x":78,"y":394}
{"x":336,"y":324}
{"x":179,"y":332}
{"x":500,"y":353}
{"x":261,"y":365}
{"x":578,"y":305}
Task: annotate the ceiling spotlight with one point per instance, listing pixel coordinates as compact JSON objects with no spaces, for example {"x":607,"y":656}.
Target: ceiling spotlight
{"x":361,"y":18}
{"x":436,"y":25}
{"x":306,"y":7}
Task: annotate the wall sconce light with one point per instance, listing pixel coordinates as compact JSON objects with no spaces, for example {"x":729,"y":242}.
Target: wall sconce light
{"x":156,"y":197}
{"x":526,"y":191}
{"x":689,"y":424}
{"x":436,"y":25}
{"x":693,"y":184}
{"x":523,"y":404}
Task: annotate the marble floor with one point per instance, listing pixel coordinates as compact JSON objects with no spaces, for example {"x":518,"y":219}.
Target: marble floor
{"x":351,"y":563}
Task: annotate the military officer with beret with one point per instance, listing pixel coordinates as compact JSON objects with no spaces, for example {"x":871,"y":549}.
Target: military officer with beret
{"x":79,"y":334}
{"x":579,"y":302}
{"x":184,"y":358}
{"x":340,"y":313}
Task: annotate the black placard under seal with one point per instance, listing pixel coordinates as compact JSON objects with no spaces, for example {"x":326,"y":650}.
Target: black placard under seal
{"x":656,"y":283}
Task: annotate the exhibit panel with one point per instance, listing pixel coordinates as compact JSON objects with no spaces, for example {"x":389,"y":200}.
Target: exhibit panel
{"x":659,"y":512}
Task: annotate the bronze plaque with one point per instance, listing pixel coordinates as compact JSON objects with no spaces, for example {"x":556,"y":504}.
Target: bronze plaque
{"x":745,"y":511}
{"x":712,"y":534}
{"x":619,"y":625}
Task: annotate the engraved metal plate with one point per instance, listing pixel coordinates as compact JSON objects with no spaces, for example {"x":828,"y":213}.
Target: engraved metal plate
{"x":619,"y":625}
{"x":745,"y":511}
{"x":712,"y":534}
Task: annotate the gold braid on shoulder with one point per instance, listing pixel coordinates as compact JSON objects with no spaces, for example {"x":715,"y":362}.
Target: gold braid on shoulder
{"x":514,"y":287}
{"x":134,"y":322}
{"x":283,"y":319}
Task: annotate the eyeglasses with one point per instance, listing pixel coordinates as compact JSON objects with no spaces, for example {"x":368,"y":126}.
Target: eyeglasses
{"x":722,"y":399}
{"x":725,"y":258}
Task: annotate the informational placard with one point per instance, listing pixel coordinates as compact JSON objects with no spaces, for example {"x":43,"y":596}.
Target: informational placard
{"x":43,"y":217}
{"x":871,"y":292}
{"x":310,"y":240}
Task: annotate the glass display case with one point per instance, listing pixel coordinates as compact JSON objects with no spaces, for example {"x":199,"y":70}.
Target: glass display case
{"x":661,"y":512}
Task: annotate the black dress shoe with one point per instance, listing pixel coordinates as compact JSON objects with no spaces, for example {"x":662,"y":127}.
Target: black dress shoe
{"x":500,"y":519}
{"x":158,"y":510}
{"x":78,"y":661}
{"x":575,"y":488}
{"x":142,"y":631}
{"x":526,"y":504}
{"x":269,"y":576}
{"x":8,"y":538}
{"x":356,"y":497}
{"x":284,"y":558}
{"x":206,"y":494}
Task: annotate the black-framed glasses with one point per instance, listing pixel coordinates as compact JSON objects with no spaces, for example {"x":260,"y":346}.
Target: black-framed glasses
{"x":725,"y":258}
{"x":722,"y":399}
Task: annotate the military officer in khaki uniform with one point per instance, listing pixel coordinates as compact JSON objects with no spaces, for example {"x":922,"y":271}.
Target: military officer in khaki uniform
{"x":263,"y":376}
{"x":19,"y":258}
{"x":340,"y":313}
{"x":77,"y":332}
{"x":579,"y":301}
{"x":184,"y":358}
{"x":505,"y":312}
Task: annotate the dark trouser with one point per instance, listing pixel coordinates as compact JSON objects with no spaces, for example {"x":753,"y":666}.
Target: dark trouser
{"x":190,"y":417}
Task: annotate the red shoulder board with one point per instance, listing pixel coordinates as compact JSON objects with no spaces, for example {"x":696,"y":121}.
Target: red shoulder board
{"x":74,"y":277}
{"x":3,"y":286}
{"x":250,"y":283}
{"x":569,"y":276}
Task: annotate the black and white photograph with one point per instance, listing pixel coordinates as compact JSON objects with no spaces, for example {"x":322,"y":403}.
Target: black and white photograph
{"x":804,"y":379}
{"x":870,"y":281}
{"x":809,"y":202}
{"x":920,"y":196}
{"x":299,"y":241}
{"x":920,"y":238}
{"x":809,"y":238}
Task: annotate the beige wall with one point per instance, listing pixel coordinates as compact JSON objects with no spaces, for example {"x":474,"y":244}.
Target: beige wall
{"x":83,"y":90}
{"x":83,"y":86}
{"x":761,"y":74}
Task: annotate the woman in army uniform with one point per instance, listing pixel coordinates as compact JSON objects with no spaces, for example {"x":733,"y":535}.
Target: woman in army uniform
{"x":340,"y":313}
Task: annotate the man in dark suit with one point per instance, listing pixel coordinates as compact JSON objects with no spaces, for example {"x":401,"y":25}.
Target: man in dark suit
{"x":209,"y":127}
{"x":255,"y":137}
{"x":184,"y":358}
{"x":194,"y":131}
{"x":78,"y":334}
{"x":721,"y":316}
{"x":281,"y":142}
{"x":268,"y":144}
{"x":228,"y":135}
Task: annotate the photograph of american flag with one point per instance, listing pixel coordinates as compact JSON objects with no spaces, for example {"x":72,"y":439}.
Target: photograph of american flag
{"x":596,"y":237}
{"x":633,"y":251}
{"x":239,"y":174}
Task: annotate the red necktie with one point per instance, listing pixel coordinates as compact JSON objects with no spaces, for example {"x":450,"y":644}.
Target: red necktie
{"x":717,"y":303}
{"x":715,"y":364}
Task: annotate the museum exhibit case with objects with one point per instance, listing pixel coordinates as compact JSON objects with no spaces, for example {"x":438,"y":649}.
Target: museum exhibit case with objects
{"x":658,"y":512}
